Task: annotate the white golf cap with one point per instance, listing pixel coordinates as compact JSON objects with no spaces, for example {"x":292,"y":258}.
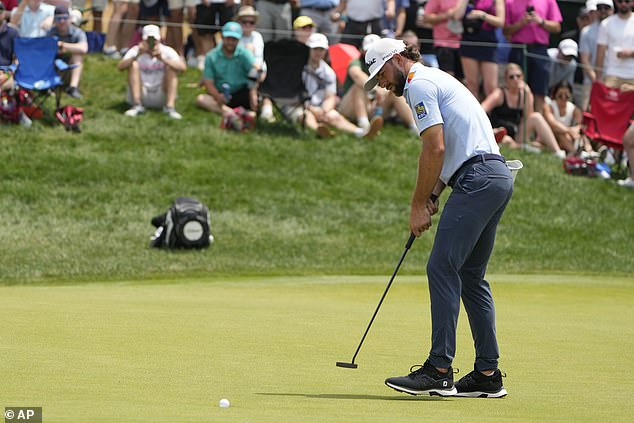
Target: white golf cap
{"x":568,"y":47}
{"x":151,"y":31}
{"x":317,"y":40}
{"x":368,"y":40}
{"x":605,"y":2}
{"x":378,"y":54}
{"x":591,"y":5}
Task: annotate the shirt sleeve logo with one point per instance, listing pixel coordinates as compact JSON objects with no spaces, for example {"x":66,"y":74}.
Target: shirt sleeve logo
{"x":410,"y":76}
{"x":420,"y":110}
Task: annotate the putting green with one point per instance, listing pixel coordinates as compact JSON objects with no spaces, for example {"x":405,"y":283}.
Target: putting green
{"x":168,"y":352}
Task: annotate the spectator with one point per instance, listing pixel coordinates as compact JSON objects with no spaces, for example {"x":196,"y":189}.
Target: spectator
{"x":530,"y":22}
{"x":178,"y":9}
{"x":321,"y":85}
{"x":228,"y":76}
{"x":511,"y":107}
{"x":562,"y":62}
{"x":363,"y":17}
{"x":7,"y":57}
{"x":588,"y":47}
{"x":615,"y":48}
{"x":251,"y":39}
{"x":210,"y":15}
{"x":394,"y":28}
{"x":303,"y":28}
{"x":275,"y":18}
{"x":72,"y":47}
{"x":152,"y":74}
{"x":447,"y":42}
{"x":415,"y":21}
{"x":321,"y":11}
{"x":564,"y":118}
{"x":478,"y":47}
{"x":97,"y":8}
{"x":120,"y":33}
{"x":32,"y":18}
{"x":628,"y":145}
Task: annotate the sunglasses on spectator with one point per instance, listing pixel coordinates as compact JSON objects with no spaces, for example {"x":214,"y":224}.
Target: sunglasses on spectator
{"x":603,"y":7}
{"x":563,"y":96}
{"x":61,"y":18}
{"x":247,"y":22}
{"x":515,"y":76}
{"x":307,"y":27}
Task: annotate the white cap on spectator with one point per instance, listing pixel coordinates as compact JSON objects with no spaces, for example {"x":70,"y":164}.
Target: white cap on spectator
{"x":368,"y":40}
{"x":317,"y":40}
{"x":568,"y":47}
{"x":378,"y":54}
{"x":151,"y":31}
{"x":605,"y":2}
{"x":591,"y":5}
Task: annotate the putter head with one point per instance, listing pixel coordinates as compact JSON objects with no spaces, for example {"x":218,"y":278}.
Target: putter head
{"x":347,"y":365}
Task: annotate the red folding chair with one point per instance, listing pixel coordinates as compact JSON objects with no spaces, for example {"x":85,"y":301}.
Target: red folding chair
{"x":611,"y":113}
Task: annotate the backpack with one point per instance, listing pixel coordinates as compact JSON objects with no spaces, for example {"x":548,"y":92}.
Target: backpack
{"x":186,"y":224}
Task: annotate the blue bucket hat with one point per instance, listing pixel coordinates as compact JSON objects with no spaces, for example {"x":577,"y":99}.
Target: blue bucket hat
{"x":232,"y":29}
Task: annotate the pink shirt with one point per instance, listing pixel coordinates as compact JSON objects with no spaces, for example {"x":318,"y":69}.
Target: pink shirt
{"x":443,"y":37}
{"x":532,"y":33}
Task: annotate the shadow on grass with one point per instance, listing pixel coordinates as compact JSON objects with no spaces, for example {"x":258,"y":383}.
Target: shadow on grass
{"x":355,"y":396}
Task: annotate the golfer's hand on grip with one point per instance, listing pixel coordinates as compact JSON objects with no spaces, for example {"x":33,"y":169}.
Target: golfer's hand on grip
{"x":419,"y":219}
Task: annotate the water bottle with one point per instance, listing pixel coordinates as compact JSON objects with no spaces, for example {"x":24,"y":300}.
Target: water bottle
{"x":226,"y":90}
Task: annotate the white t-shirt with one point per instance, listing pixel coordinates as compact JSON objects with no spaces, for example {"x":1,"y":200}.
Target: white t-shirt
{"x":436,"y":97}
{"x":568,"y":117}
{"x":255,"y":44}
{"x":152,"y":69}
{"x":617,"y":34}
{"x":319,"y":82}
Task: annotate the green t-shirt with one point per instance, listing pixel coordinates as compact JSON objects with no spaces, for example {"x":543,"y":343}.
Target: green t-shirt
{"x":356,"y":63}
{"x":232,"y":70}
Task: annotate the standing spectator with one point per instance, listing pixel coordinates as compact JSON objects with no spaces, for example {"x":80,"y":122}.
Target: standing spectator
{"x":210,"y":15}
{"x":121,"y":27}
{"x":363,"y":17}
{"x":447,"y":42}
{"x":32,"y":18}
{"x":588,"y":47}
{"x":178,"y":9}
{"x":530,"y":22}
{"x":415,"y":21}
{"x":394,"y":28}
{"x":7,"y":57}
{"x":72,"y":46}
{"x":615,"y":48}
{"x":303,"y":28}
{"x":564,"y":117}
{"x":227,"y":76}
{"x":275,"y":18}
{"x":562,"y":62}
{"x":320,"y":11}
{"x":96,"y":9}
{"x":478,"y":47}
{"x":152,"y":74}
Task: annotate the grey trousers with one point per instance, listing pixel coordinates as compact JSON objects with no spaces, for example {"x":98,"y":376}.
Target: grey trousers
{"x":275,"y":20}
{"x":458,"y":261}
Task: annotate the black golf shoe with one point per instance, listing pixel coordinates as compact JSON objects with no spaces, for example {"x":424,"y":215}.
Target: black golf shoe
{"x":424,"y":380}
{"x":477,"y":385}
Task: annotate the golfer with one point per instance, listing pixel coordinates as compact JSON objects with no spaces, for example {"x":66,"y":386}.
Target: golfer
{"x":459,"y":150}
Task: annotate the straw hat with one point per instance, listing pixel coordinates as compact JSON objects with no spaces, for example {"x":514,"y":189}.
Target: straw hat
{"x":247,"y":11}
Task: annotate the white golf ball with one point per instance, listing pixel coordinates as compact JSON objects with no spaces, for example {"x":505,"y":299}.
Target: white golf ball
{"x":224,"y":403}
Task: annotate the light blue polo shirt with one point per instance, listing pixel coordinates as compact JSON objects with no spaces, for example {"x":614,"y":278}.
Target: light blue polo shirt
{"x":435,"y":97}
{"x":30,"y":24}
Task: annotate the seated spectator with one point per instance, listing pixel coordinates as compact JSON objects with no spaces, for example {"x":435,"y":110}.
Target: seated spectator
{"x":72,"y":46}
{"x":7,"y":35}
{"x":32,"y":18}
{"x":229,"y":76}
{"x":152,"y":74}
{"x":251,"y":39}
{"x":564,"y":117}
{"x":562,"y":62}
{"x":303,"y":28}
{"x":511,"y":107}
{"x":321,"y":85}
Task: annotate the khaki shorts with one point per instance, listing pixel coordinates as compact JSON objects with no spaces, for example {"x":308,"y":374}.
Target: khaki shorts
{"x":151,"y":98}
{"x":622,"y":83}
{"x":181,"y":4}
{"x":98,"y":5}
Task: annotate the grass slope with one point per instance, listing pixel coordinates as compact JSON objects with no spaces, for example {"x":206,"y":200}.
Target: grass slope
{"x":170,"y":352}
{"x":77,"y":207}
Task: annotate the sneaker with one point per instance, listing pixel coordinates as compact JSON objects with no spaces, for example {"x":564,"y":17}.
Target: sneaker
{"x":627,"y":183}
{"x":560,"y":154}
{"x":477,"y":385}
{"x":424,"y":380}
{"x":73,"y":92}
{"x":24,"y":119}
{"x":135,"y":110}
{"x":112,"y":52}
{"x":375,"y":126}
{"x":171,"y":112}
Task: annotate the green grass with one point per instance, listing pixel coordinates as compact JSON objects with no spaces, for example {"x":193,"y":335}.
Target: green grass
{"x":169,"y":352}
{"x":77,"y":207}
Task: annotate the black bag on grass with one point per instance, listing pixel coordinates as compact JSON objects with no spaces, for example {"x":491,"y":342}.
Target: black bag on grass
{"x":186,"y":224}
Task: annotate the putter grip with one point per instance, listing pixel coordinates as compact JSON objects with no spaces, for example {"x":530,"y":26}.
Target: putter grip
{"x":410,"y":241}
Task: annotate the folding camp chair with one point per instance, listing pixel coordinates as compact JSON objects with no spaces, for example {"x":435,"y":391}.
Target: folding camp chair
{"x":611,"y":111}
{"x":38,"y":68}
{"x":284,"y":85}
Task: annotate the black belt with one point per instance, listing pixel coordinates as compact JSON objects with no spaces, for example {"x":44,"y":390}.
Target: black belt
{"x":475,"y":159}
{"x":319,"y":9}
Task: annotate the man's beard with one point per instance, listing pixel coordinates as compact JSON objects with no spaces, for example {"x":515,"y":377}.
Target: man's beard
{"x":399,"y":86}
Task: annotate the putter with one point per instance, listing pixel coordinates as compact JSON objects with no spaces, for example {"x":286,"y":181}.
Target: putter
{"x":352,"y":364}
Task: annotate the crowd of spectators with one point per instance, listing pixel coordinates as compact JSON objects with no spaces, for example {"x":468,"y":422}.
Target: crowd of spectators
{"x":534,"y":94}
